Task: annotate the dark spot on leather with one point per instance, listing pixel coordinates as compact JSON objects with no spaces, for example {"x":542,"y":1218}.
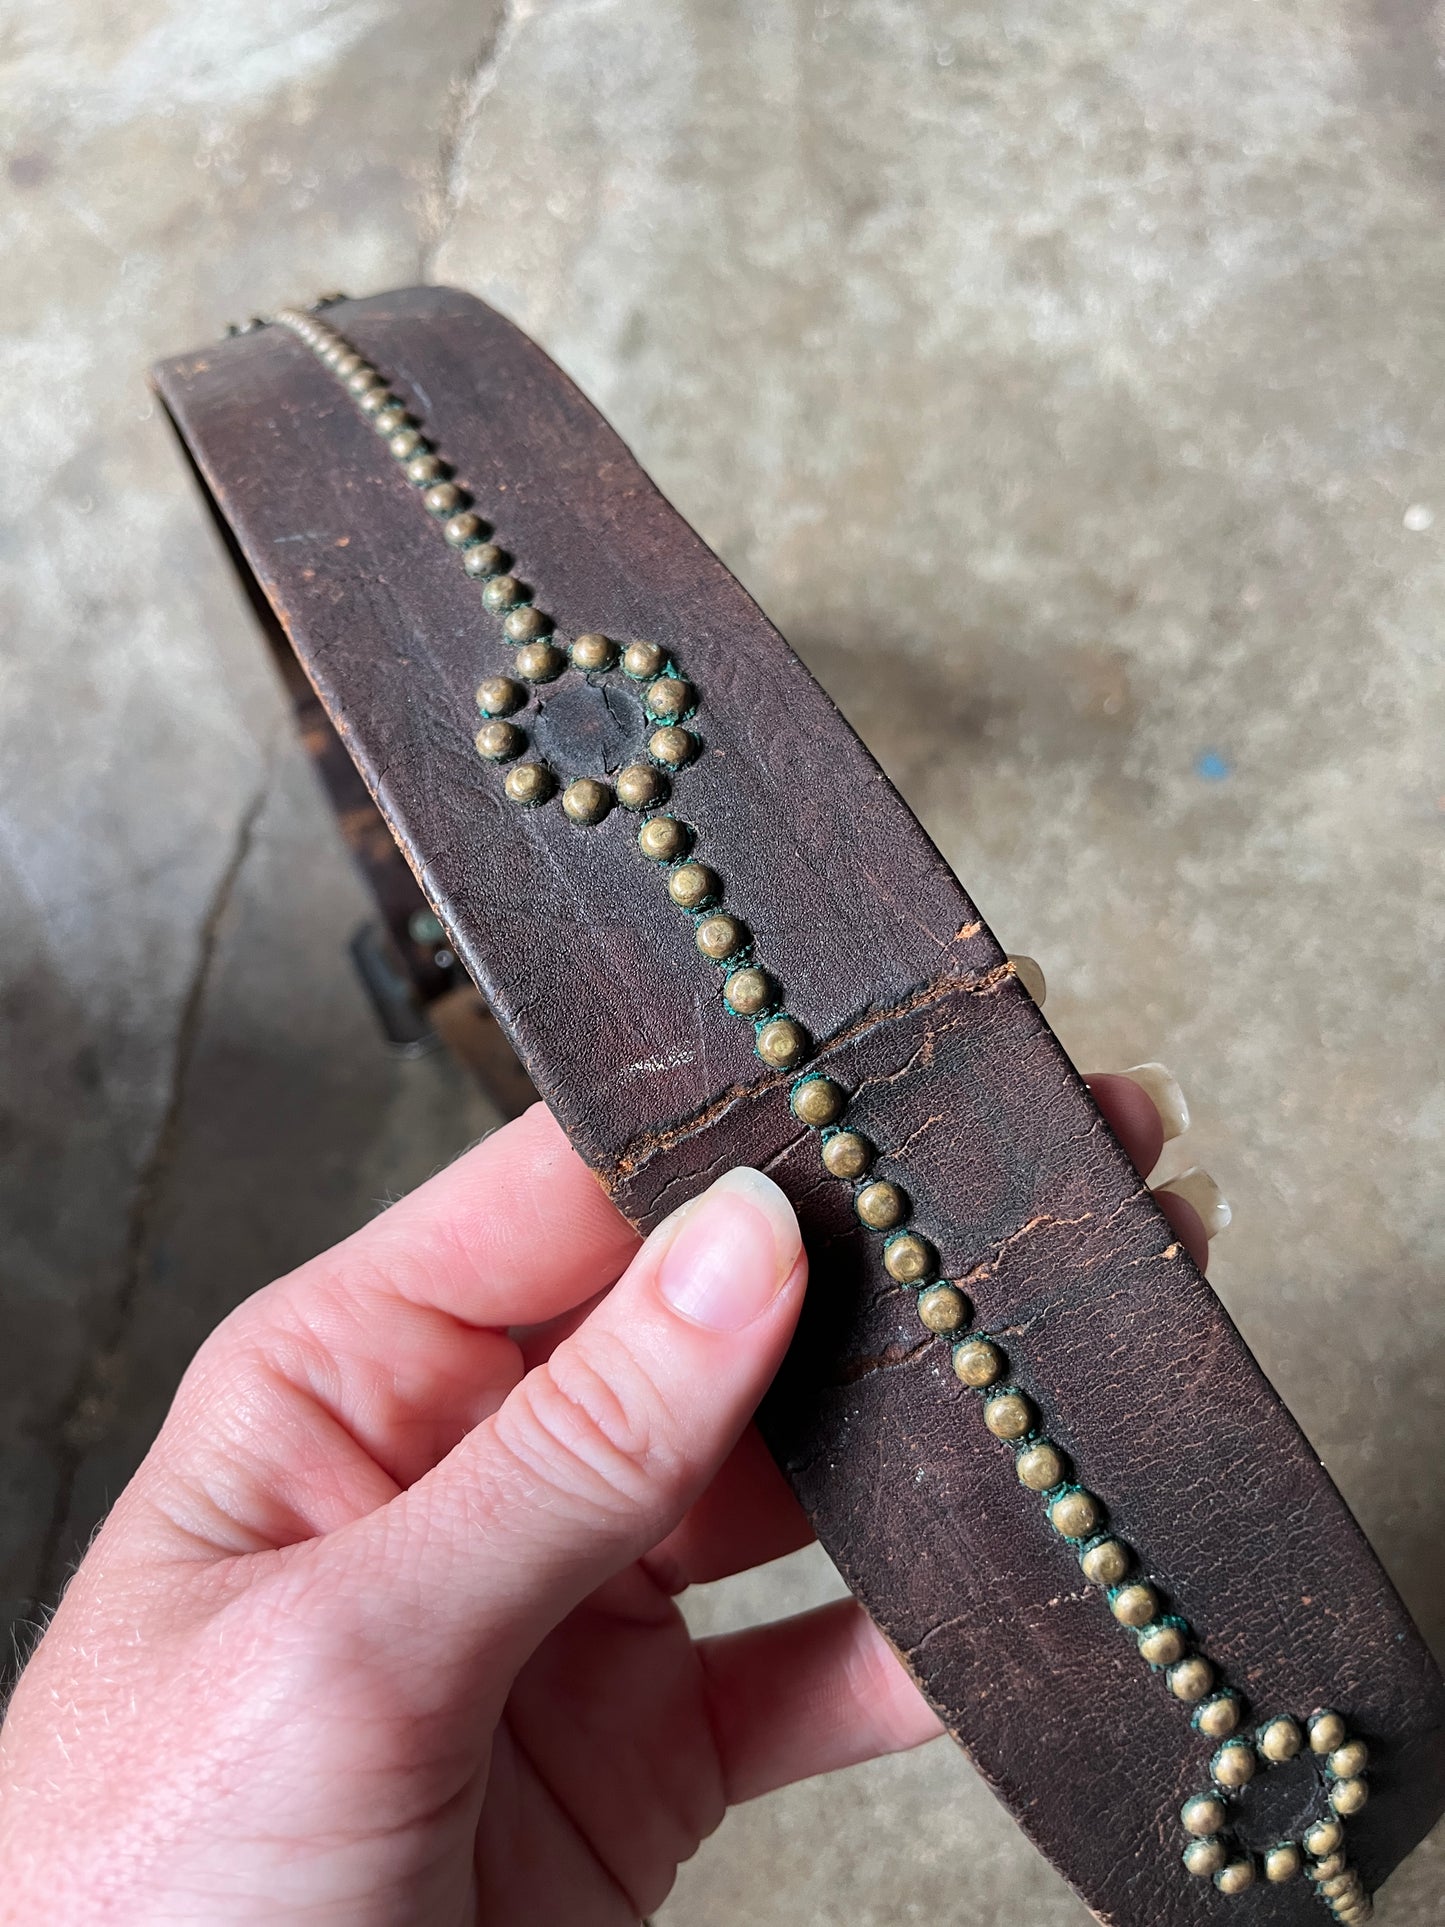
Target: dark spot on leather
{"x":1279,"y":1804}
{"x":590,"y":729}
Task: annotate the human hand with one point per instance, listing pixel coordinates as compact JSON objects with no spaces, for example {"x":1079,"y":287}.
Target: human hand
{"x":384,"y":1629}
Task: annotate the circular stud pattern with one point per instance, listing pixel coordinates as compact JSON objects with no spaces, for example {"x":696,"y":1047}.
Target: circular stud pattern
{"x":1236,"y":1877}
{"x":586,"y":800}
{"x":1008,"y":1415}
{"x":663,"y":839}
{"x":1327,"y":1731}
{"x":1283,"y":1862}
{"x":485,"y":559}
{"x":881,"y":1205}
{"x":818,"y":1102}
{"x":943,"y":1308}
{"x":540,"y":662}
{"x":529,"y":783}
{"x":499,"y":742}
{"x":643,"y":660}
{"x":721,"y":937}
{"x":1233,"y":1764}
{"x":593,"y":653}
{"x":1136,"y":1606}
{"x":847,"y":1155}
{"x":1206,"y":1813}
{"x":1107,"y":1563}
{"x":638,"y":786}
{"x":782,"y":1043}
{"x":527,"y":624}
{"x":672,"y":745}
{"x":979,"y":1362}
{"x":1332,"y":1864}
{"x":500,"y":696}
{"x":1206,"y":1857}
{"x":691,"y":885}
{"x":1075,"y":1514}
{"x":1041,"y":1467}
{"x":1323,"y":1838}
{"x":1349,"y":1761}
{"x":669,"y":699}
{"x":749,"y":992}
{"x":1348,"y":1796}
{"x":1280,"y":1740}
{"x":908,"y":1259}
{"x":1218,"y":1717}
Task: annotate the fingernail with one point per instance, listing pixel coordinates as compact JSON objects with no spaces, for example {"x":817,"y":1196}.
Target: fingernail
{"x":732,"y":1254}
{"x":1162,"y":1088}
{"x":1030,"y":975}
{"x":1196,"y":1187}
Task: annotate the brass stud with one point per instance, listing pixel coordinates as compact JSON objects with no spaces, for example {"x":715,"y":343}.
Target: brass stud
{"x":1219,"y":1717}
{"x":672,"y":745}
{"x":1233,"y":1764}
{"x":500,"y":696}
{"x":586,"y":800}
{"x":503,"y":592}
{"x":526,"y":625}
{"x":1327,"y":1731}
{"x":847,"y":1154}
{"x":1281,"y":1740}
{"x":1236,"y":1877}
{"x":390,"y":420}
{"x":1041,"y":1467}
{"x":782,"y":1043}
{"x":1349,"y":1761}
{"x":943,"y":1308}
{"x":499,"y":742}
{"x":748,"y":992}
{"x":663,"y":839}
{"x":1106,"y":1563}
{"x":529,"y":783}
{"x":643,"y":660}
{"x":593,"y":653}
{"x":422,"y":470}
{"x":638,"y":786}
{"x":691,"y":885}
{"x":908,"y":1258}
{"x":1076,"y":1514}
{"x":1136,"y":1605}
{"x":1332,"y":1864}
{"x":669,"y":699}
{"x":1348,"y":1796}
{"x":1341,"y":1886}
{"x":720,"y":937}
{"x":444,"y":498}
{"x":1206,"y":1813}
{"x":349,"y":363}
{"x":1205,"y":1857}
{"x":484,"y":559}
{"x":1283,"y":1862}
{"x":361,"y":377}
{"x":1008,"y":1415}
{"x":979,"y":1362}
{"x":1190,"y":1679}
{"x":1162,"y":1644}
{"x":464,"y":529}
{"x":540,"y":662}
{"x":373,"y":400}
{"x":1324,"y":1837}
{"x":818,"y":1101}
{"x":880,"y":1205}
{"x":407,"y":442}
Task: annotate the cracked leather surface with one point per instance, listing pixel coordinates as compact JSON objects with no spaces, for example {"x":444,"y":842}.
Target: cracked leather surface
{"x":1135,"y":1366}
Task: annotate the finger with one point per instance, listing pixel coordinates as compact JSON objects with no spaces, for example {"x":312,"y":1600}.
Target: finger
{"x":599,"y":1452}
{"x":808,"y":1695}
{"x":322,"y":1395}
{"x":747,"y":1516}
{"x":1132,"y":1117}
{"x":1187,"y":1224}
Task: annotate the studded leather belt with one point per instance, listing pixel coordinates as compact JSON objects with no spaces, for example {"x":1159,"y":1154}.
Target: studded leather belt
{"x":1021,"y":1422}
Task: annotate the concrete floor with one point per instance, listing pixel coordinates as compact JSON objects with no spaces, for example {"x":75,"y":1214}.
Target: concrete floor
{"x":1067,"y":382}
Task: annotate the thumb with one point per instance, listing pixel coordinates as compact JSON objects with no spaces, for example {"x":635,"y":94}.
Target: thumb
{"x":598,"y":1452}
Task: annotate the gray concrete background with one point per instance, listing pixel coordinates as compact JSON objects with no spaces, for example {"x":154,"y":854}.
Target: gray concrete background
{"x":1067,"y":382}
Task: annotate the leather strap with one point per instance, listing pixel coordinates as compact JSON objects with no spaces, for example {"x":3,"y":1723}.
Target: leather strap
{"x":1261,"y":1604}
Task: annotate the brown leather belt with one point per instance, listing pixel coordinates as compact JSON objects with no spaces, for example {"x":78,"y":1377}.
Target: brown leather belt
{"x":1021,"y":1422}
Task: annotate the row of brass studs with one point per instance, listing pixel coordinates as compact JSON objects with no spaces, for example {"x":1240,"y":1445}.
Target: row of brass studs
{"x":1211,"y":1853}
{"x":749,"y":992}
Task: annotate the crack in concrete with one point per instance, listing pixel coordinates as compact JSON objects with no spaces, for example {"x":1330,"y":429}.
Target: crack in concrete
{"x":466,"y":98}
{"x":90,"y":1403}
